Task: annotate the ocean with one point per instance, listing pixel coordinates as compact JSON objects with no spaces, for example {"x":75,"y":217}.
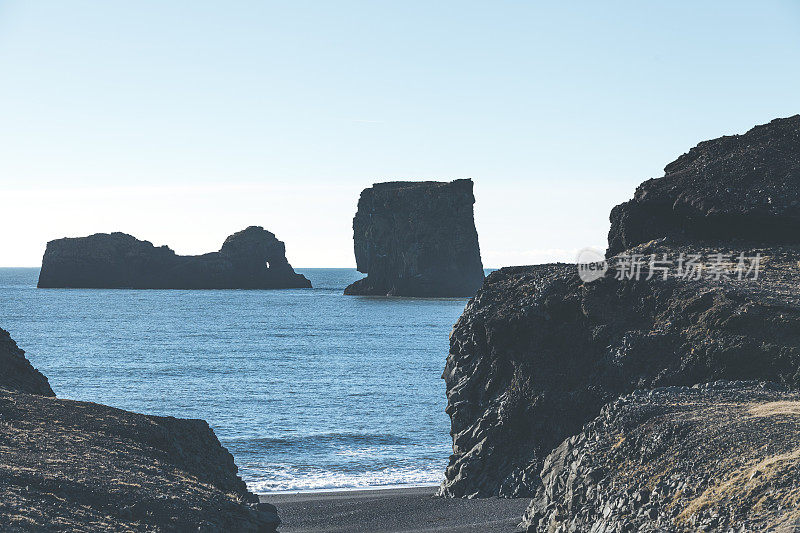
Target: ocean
{"x":308,"y":389}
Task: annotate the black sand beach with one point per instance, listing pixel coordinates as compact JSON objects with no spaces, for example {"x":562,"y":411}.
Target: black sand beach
{"x":394,"y":510}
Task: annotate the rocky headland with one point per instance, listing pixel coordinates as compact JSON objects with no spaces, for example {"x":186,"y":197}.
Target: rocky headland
{"x":417,"y":239}
{"x":250,"y":259}
{"x":539,"y":351}
{"x":78,"y":466}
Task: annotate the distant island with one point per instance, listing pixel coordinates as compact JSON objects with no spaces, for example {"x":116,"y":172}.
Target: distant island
{"x":417,"y":239}
{"x":250,"y":259}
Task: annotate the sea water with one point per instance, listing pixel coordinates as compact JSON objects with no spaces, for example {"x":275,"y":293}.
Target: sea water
{"x":308,"y":389}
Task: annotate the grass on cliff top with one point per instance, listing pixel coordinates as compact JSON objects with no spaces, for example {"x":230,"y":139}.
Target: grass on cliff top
{"x":753,"y":486}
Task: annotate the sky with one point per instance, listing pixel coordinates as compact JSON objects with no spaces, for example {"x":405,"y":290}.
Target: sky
{"x":182,"y":122}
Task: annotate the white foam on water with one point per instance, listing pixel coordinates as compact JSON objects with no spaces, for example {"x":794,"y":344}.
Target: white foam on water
{"x":284,"y":480}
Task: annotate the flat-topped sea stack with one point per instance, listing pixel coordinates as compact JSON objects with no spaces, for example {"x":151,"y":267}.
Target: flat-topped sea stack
{"x":417,"y":239}
{"x":250,"y":259}
{"x":80,"y":466}
{"x":540,"y":350}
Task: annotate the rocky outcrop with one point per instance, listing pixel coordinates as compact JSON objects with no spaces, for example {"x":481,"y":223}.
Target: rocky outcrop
{"x":417,"y":239}
{"x":716,"y":457}
{"x":250,"y":259}
{"x":735,"y":187}
{"x":77,"y":466}
{"x":16,"y":372}
{"x":538,"y":351}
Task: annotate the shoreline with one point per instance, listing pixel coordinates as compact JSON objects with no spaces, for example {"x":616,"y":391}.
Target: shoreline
{"x":394,"y":510}
{"x":334,"y":491}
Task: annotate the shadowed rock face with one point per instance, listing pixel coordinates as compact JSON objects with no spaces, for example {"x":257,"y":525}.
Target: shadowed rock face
{"x":718,"y":457}
{"x":250,"y":259}
{"x":16,"y":372}
{"x":538,"y":352}
{"x":78,"y":466}
{"x":417,"y":239}
{"x":735,"y":187}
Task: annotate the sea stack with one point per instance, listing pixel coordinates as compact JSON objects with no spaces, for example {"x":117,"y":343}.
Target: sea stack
{"x":540,"y":350}
{"x":417,"y":239}
{"x":250,"y":259}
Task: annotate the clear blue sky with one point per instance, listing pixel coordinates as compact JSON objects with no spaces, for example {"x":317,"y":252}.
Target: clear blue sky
{"x":183,"y":121}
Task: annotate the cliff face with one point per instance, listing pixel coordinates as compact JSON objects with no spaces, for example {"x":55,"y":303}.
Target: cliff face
{"x":538,"y":352}
{"x":417,"y":239}
{"x":78,"y":466}
{"x":717,"y":457}
{"x":16,"y":372}
{"x":250,"y":259}
{"x":735,"y":187}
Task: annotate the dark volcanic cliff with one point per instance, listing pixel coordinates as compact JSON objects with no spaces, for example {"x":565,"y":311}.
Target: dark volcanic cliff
{"x":417,"y":239}
{"x":16,"y":372}
{"x":538,"y":352}
{"x":735,"y":187}
{"x":718,"y":457}
{"x":78,"y":466}
{"x":250,"y":259}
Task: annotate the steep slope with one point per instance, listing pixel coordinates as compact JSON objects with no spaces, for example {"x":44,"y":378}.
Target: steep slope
{"x":718,"y":457}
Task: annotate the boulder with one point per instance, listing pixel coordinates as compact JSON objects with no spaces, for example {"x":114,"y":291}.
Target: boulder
{"x":721,"y":457}
{"x":734,"y":187}
{"x":16,"y":372}
{"x":417,"y":239}
{"x":250,"y":259}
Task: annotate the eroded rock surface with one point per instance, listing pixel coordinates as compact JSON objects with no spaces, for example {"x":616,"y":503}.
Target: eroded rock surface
{"x":250,"y":259}
{"x":537,"y":353}
{"x":78,"y":466}
{"x":16,"y":372}
{"x":417,"y":239}
{"x":734,"y":187}
{"x":718,"y":457}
